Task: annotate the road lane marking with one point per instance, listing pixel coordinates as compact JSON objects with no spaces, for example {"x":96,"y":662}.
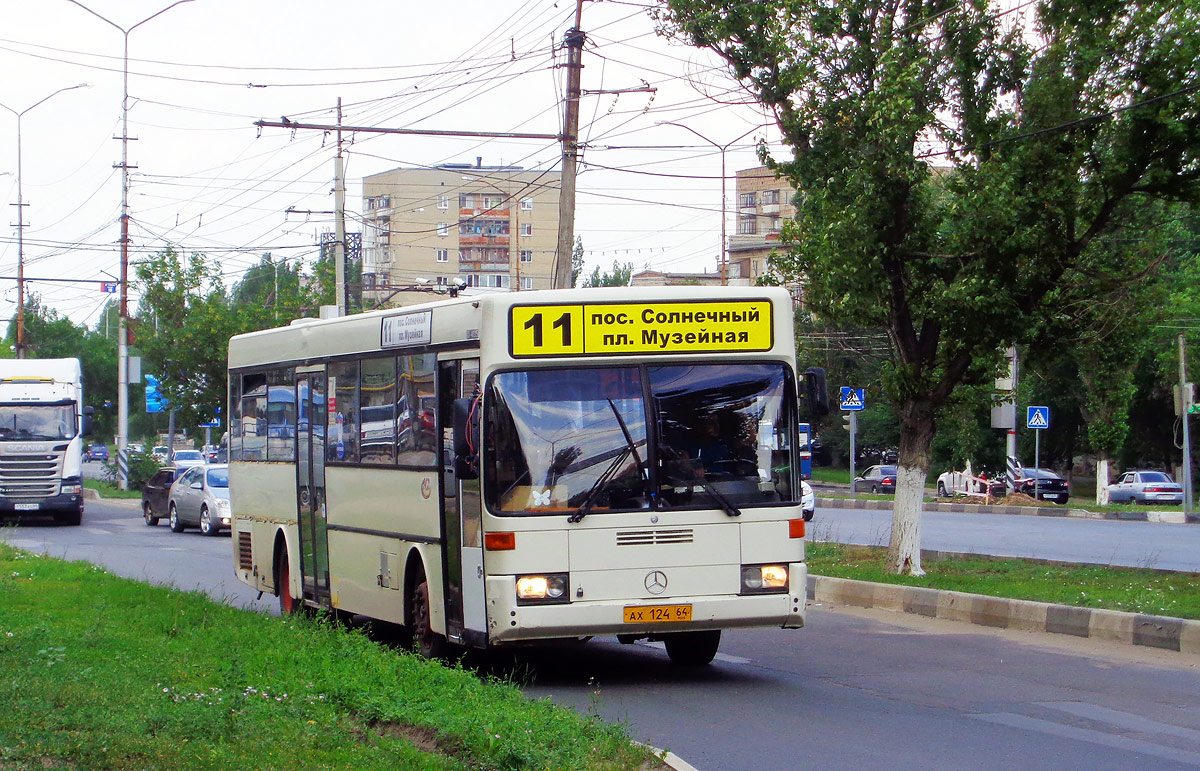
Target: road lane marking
{"x":1121,"y":719}
{"x":1026,"y":723}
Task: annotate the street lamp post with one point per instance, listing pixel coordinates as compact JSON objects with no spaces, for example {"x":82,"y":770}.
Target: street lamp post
{"x":20,"y":343}
{"x":724,"y":209}
{"x":123,"y":312}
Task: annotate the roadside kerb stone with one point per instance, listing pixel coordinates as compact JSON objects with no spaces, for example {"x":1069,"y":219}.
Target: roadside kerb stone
{"x":1175,"y":517}
{"x":1174,"y":634}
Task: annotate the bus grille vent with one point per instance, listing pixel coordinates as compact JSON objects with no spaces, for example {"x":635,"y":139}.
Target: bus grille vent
{"x":653,"y":537}
{"x":245,"y":556}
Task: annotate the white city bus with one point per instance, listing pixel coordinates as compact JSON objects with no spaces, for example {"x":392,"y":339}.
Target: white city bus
{"x":510,"y":468}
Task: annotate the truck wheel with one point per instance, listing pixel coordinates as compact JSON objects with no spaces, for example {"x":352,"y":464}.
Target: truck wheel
{"x":692,"y":649}
{"x":148,"y":514}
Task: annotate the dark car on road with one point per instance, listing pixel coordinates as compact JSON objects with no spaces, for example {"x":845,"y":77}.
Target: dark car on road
{"x":97,"y":452}
{"x":155,"y":493}
{"x":1048,"y":485}
{"x":876,"y":479}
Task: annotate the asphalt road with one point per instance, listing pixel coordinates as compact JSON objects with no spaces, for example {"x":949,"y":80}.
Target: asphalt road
{"x":1106,"y":542}
{"x":856,"y":689}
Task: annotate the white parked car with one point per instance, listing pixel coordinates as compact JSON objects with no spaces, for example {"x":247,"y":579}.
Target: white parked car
{"x":808,"y":501}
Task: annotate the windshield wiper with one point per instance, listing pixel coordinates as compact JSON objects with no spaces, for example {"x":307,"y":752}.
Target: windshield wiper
{"x":720,"y":498}
{"x":630,"y":448}
{"x":643,"y":472}
{"x":593,"y":494}
{"x":669,"y":454}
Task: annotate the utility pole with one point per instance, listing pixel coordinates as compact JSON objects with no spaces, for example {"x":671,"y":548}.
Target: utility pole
{"x":122,"y":318}
{"x":1185,"y":405}
{"x":339,"y":207}
{"x":339,"y":183}
{"x":561,"y":274}
{"x":20,"y":342}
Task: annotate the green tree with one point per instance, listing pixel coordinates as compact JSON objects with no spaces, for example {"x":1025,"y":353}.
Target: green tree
{"x":577,"y":260}
{"x":620,"y":276}
{"x":1049,"y":135}
{"x":184,"y":323}
{"x":271,"y":293}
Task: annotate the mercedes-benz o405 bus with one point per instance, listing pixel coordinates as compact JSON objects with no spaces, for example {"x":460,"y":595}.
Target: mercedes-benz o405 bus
{"x":512,"y":468}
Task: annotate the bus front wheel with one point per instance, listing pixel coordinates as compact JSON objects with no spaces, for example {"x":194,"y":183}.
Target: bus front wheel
{"x":692,"y":649}
{"x":430,"y":644}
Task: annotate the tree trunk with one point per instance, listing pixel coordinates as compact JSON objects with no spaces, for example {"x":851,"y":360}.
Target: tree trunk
{"x":916,"y":437}
{"x":1102,"y":479}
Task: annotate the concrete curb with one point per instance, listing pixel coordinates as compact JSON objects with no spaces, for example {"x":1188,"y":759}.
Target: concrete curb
{"x":1173,"y":634}
{"x":1175,"y":517}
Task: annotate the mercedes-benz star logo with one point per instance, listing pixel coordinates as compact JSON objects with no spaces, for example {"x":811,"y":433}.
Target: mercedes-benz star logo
{"x":656,"y":582}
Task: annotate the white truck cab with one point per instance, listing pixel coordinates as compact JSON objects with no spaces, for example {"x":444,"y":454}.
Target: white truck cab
{"x":42,"y":427}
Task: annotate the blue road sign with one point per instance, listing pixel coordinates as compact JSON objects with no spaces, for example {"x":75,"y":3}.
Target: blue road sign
{"x":1037,"y":417}
{"x":852,"y":398}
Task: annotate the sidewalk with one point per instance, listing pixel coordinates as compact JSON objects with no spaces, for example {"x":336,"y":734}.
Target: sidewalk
{"x":1168,"y":633}
{"x":1173,"y":634}
{"x":1170,"y":516}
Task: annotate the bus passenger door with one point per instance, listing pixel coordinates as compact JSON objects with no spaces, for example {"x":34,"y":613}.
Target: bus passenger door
{"x":310,"y":485}
{"x":462,"y":526}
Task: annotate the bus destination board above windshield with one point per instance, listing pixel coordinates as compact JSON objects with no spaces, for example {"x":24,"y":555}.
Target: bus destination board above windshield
{"x":610,"y":329}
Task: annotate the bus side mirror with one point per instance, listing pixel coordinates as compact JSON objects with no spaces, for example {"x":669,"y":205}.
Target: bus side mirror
{"x":88,"y":413}
{"x":816,"y":393}
{"x":466,"y":438}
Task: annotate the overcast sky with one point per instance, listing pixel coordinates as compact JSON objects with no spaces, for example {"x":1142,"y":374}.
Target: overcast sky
{"x":208,"y":180}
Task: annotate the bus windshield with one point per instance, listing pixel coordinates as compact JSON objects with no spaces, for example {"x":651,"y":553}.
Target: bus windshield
{"x":626,"y":438}
{"x":47,"y":422}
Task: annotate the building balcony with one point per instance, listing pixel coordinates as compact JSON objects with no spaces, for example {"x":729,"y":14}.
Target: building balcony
{"x":471,"y":213}
{"x":473,"y":240}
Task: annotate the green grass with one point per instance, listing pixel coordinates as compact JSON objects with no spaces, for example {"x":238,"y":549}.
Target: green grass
{"x":102,"y":672}
{"x":1133,"y":590}
{"x":110,"y":490}
{"x":830,"y":474}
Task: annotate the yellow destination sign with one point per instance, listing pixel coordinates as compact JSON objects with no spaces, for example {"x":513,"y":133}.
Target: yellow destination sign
{"x":609,"y":329}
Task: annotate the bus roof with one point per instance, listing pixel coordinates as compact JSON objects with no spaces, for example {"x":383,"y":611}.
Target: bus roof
{"x":459,"y":321}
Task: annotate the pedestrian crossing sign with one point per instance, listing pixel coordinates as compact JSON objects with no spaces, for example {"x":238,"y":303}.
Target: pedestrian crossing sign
{"x":1037,"y":417}
{"x":852,"y":398}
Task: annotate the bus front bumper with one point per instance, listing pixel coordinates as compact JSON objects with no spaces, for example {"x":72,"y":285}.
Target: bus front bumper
{"x":509,"y":622}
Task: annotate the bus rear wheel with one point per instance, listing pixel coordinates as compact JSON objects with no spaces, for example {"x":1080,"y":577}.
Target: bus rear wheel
{"x":692,"y":649}
{"x":288,"y":605}
{"x":430,"y":644}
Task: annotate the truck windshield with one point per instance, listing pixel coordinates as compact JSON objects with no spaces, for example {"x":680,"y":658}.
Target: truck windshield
{"x":626,"y":438}
{"x":25,"y":422}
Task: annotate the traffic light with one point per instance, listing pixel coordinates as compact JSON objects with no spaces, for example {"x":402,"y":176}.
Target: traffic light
{"x":848,"y":420}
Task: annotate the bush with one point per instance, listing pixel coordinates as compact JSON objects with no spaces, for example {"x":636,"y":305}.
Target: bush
{"x":142,"y":466}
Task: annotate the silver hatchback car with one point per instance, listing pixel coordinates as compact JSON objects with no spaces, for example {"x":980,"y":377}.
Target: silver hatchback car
{"x":200,"y":498}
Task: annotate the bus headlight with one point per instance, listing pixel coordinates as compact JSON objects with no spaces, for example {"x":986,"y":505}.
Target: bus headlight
{"x":551,"y":587}
{"x":764,"y":579}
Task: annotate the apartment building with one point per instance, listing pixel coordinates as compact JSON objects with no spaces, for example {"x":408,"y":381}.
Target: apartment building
{"x":763,"y":204}
{"x":483,"y":227}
